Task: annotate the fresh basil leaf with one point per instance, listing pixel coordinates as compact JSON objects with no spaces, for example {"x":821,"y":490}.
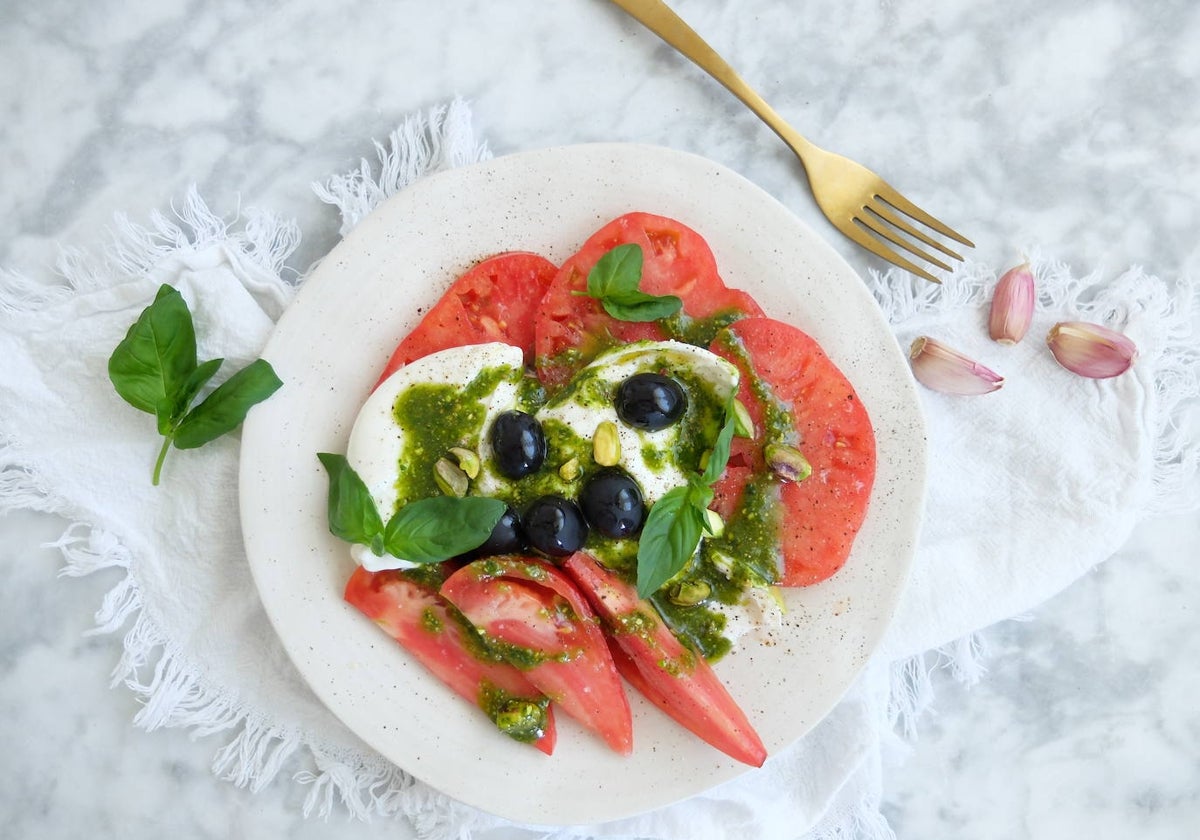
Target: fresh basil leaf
{"x":679,"y":520}
{"x":351,"y":511}
{"x":669,"y":538}
{"x":637,"y":306}
{"x":699,"y":494}
{"x":720,"y":451}
{"x":378,"y":548}
{"x":614,"y":280}
{"x":616,"y":272}
{"x":174,"y":406}
{"x":226,"y":407}
{"x":158,"y":354}
{"x":438,"y":528}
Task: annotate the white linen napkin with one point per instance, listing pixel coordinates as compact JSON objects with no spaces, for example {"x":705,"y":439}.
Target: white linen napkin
{"x":1031,"y":486}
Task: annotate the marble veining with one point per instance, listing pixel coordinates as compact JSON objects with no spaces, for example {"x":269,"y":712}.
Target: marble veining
{"x":1070,"y":126}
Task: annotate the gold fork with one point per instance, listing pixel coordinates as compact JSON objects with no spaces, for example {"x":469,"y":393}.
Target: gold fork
{"x":857,"y":201}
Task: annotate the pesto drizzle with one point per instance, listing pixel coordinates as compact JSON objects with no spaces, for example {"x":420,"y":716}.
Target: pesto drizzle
{"x":435,"y":418}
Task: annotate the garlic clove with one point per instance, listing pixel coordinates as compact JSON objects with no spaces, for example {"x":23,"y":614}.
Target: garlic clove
{"x":1091,"y":350}
{"x":1012,"y":306}
{"x":944,"y":369}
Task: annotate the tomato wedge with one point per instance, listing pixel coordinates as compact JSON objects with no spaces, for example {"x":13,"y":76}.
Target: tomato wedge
{"x":495,"y":300}
{"x":571,"y":328}
{"x":823,"y":513}
{"x":672,"y":677}
{"x":533,"y":614}
{"x":415,"y":616}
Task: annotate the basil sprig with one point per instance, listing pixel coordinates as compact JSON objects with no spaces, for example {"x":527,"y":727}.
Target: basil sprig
{"x":678,"y":520}
{"x":614,"y":280}
{"x":425,"y":531}
{"x":155,"y":370}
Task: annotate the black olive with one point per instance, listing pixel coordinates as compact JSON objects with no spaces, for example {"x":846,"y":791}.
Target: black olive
{"x":519,"y":444}
{"x":508,"y":537}
{"x":555,"y":526}
{"x":650,"y":401}
{"x":612,"y":503}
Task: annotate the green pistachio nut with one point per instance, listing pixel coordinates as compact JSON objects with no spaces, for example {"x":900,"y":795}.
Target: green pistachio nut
{"x":606,"y":444}
{"x":714,"y":523}
{"x":787,"y":462}
{"x":689,"y":593}
{"x":450,"y":479}
{"x":523,"y":720}
{"x":468,"y":461}
{"x":570,"y":470}
{"x":743,"y":426}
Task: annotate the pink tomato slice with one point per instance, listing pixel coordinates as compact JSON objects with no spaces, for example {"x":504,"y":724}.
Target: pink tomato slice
{"x":656,"y":663}
{"x":535,"y":616}
{"x":426,"y":626}
{"x":822,"y":514}
{"x":494,"y":300}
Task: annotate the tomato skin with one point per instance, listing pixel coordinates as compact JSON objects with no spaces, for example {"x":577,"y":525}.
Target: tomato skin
{"x":674,"y":678}
{"x":416,"y":617}
{"x":572,"y":328}
{"x":823,"y":513}
{"x":532,"y":606}
{"x":494,"y":300}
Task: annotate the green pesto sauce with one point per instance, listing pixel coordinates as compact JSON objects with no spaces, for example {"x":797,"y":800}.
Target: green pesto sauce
{"x":746,"y":555}
{"x":638,"y":623}
{"x":491,"y":567}
{"x":618,"y":555}
{"x":472,"y":639}
{"x":430,"y":576}
{"x":519,"y":657}
{"x":701,"y":422}
{"x":430,"y":622}
{"x":751,"y":534}
{"x":655,"y":459}
{"x":522,"y":718}
{"x":434,"y":419}
{"x":699,"y":332}
{"x":562,"y":444}
{"x":531,"y":394}
{"x":780,"y":425}
{"x":587,"y":389}
{"x":699,"y":627}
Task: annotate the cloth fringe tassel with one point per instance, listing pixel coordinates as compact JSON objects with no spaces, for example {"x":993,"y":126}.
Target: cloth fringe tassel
{"x":261,"y":236}
{"x":174,"y":695}
{"x":429,"y":142}
{"x":155,"y":671}
{"x":863,"y":822}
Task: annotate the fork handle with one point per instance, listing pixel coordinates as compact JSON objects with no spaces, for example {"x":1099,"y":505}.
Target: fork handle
{"x":658,"y":17}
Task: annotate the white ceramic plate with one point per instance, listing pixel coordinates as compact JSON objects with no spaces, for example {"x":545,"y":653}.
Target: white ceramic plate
{"x":330,"y":346}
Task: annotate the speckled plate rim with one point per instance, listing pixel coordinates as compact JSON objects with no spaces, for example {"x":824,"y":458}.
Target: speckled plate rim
{"x":329,"y":347}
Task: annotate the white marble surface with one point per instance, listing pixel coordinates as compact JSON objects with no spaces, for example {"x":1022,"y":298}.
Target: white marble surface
{"x":1074,"y":126}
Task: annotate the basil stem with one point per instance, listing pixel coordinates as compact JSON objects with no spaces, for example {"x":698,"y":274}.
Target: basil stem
{"x":154,"y":368}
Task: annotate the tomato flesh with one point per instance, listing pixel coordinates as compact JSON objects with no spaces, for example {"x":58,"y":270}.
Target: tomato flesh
{"x":535,"y":615}
{"x":572,"y":328}
{"x":822,"y":514}
{"x":656,"y":663}
{"x":495,"y":300}
{"x":415,"y":616}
